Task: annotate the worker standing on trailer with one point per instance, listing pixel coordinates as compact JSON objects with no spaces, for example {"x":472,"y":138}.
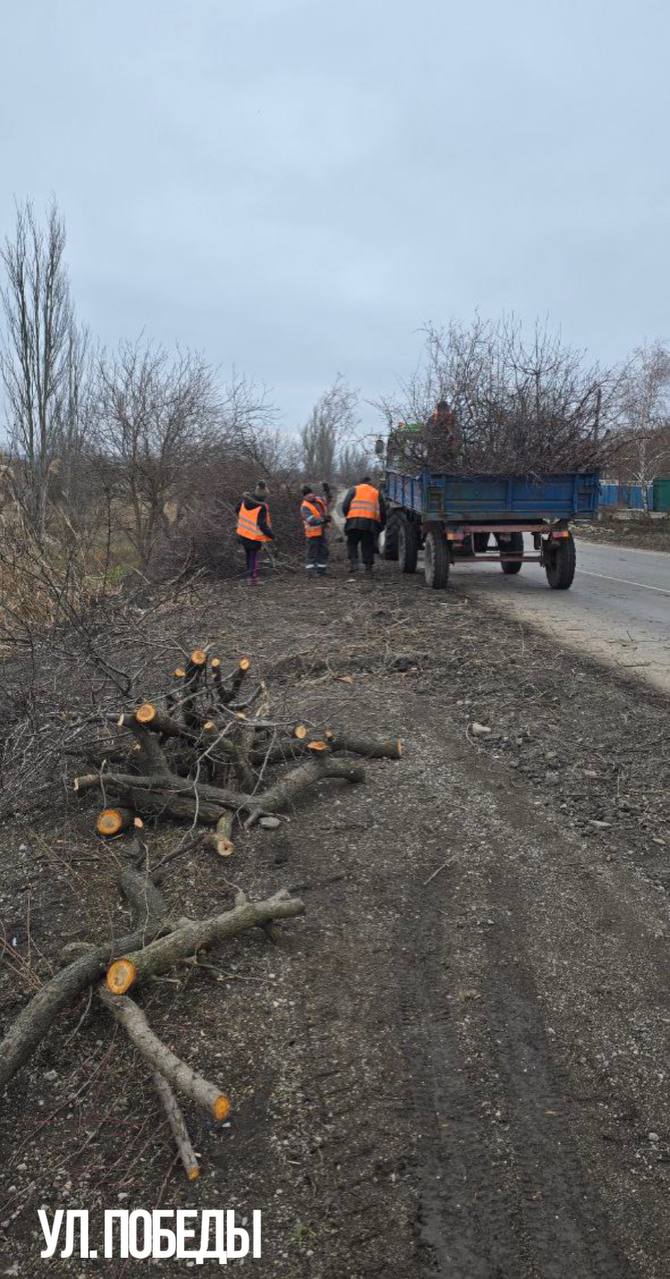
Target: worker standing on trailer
{"x":364,"y":511}
{"x":315,"y":521}
{"x":254,"y":527}
{"x":442,"y":439}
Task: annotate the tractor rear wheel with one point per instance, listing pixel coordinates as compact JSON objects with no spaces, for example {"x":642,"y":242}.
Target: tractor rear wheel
{"x":513,"y":546}
{"x":390,"y":548}
{"x":408,"y":546}
{"x":560,"y":563}
{"x":436,"y":559}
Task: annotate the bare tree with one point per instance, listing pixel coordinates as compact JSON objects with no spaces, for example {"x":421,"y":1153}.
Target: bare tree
{"x":40,"y":354}
{"x":354,"y":461}
{"x":156,"y":413}
{"x":646,"y":416}
{"x":330,"y":424}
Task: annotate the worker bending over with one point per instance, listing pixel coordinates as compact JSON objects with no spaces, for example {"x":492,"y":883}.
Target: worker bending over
{"x":315,"y":521}
{"x":365,"y":516}
{"x":254,"y":527}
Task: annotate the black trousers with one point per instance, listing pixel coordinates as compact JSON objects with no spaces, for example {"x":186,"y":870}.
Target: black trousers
{"x":251,"y":550}
{"x":366,"y":540}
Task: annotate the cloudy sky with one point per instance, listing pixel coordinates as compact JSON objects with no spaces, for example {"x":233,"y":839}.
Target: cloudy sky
{"x":295,"y":186}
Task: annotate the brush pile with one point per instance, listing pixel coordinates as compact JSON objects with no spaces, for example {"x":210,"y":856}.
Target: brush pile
{"x":520,"y":407}
{"x":208,"y":754}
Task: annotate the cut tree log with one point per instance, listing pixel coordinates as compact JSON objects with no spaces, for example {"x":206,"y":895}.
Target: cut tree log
{"x":112,"y":821}
{"x":242,"y":669}
{"x":219,"y":839}
{"x":185,"y":797}
{"x":197,"y":663}
{"x":150,"y":755}
{"x":228,"y":686}
{"x":373,"y":748}
{"x":168,"y":726}
{"x":146,"y":713}
{"x":181,"y":807}
{"x":196,"y":667}
{"x":178,"y":1125}
{"x":199,"y":736}
{"x":33,"y":1022}
{"x":288,"y":789}
{"x":161,"y":1058}
{"x":145,"y":899}
{"x":165,"y":787}
{"x":164,"y":953}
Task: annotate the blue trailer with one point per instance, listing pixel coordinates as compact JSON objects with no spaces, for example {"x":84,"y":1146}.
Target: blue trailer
{"x":455,"y":516}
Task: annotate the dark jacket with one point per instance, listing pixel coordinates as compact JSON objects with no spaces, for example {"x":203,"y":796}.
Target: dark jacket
{"x":250,"y":504}
{"x":366,"y":526}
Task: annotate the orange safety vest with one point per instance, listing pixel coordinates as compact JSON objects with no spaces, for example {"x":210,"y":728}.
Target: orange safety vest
{"x":315,"y":507}
{"x":247,"y":524}
{"x":365,"y":504}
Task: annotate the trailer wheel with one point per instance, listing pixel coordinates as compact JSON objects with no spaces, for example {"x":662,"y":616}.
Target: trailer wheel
{"x":390,"y":535}
{"x":514,"y":544}
{"x":436,"y":559}
{"x":560,"y":563}
{"x":408,"y":546}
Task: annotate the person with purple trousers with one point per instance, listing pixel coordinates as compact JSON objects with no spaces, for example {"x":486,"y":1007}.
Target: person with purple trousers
{"x":254,"y":527}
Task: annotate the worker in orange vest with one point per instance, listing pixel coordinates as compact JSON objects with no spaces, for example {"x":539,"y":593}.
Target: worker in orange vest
{"x":441,"y":437}
{"x":254,"y":527}
{"x":315,"y":521}
{"x":364,"y":511}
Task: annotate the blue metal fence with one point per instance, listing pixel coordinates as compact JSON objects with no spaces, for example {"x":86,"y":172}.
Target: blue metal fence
{"x":631,"y":496}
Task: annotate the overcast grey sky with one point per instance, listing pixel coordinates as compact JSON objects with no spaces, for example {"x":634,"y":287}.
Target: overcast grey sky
{"x":295,"y":186}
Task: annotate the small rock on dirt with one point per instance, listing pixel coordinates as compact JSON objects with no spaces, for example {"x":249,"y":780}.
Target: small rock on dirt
{"x":269,"y":823}
{"x":479,"y":730}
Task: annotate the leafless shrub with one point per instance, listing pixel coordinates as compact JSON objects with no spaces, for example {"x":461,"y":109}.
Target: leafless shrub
{"x":203,"y":533}
{"x":155,"y":414}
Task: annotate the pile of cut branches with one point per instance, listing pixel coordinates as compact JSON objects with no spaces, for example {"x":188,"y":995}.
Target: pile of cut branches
{"x":209,"y":753}
{"x":158,"y":942}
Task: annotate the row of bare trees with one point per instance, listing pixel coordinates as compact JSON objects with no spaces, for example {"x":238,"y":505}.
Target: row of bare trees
{"x":165,"y":448}
{"x":149,"y":434}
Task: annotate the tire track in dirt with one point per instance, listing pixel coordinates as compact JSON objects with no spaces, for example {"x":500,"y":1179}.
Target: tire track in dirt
{"x":504,"y":1191}
{"x":341,"y":1022}
{"x":499,"y":1200}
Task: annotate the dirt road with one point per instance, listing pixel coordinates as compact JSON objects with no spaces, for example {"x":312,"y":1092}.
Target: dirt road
{"x":457,"y":1064}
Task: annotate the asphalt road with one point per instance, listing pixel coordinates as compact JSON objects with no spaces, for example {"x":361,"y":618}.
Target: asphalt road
{"x":618,"y":608}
